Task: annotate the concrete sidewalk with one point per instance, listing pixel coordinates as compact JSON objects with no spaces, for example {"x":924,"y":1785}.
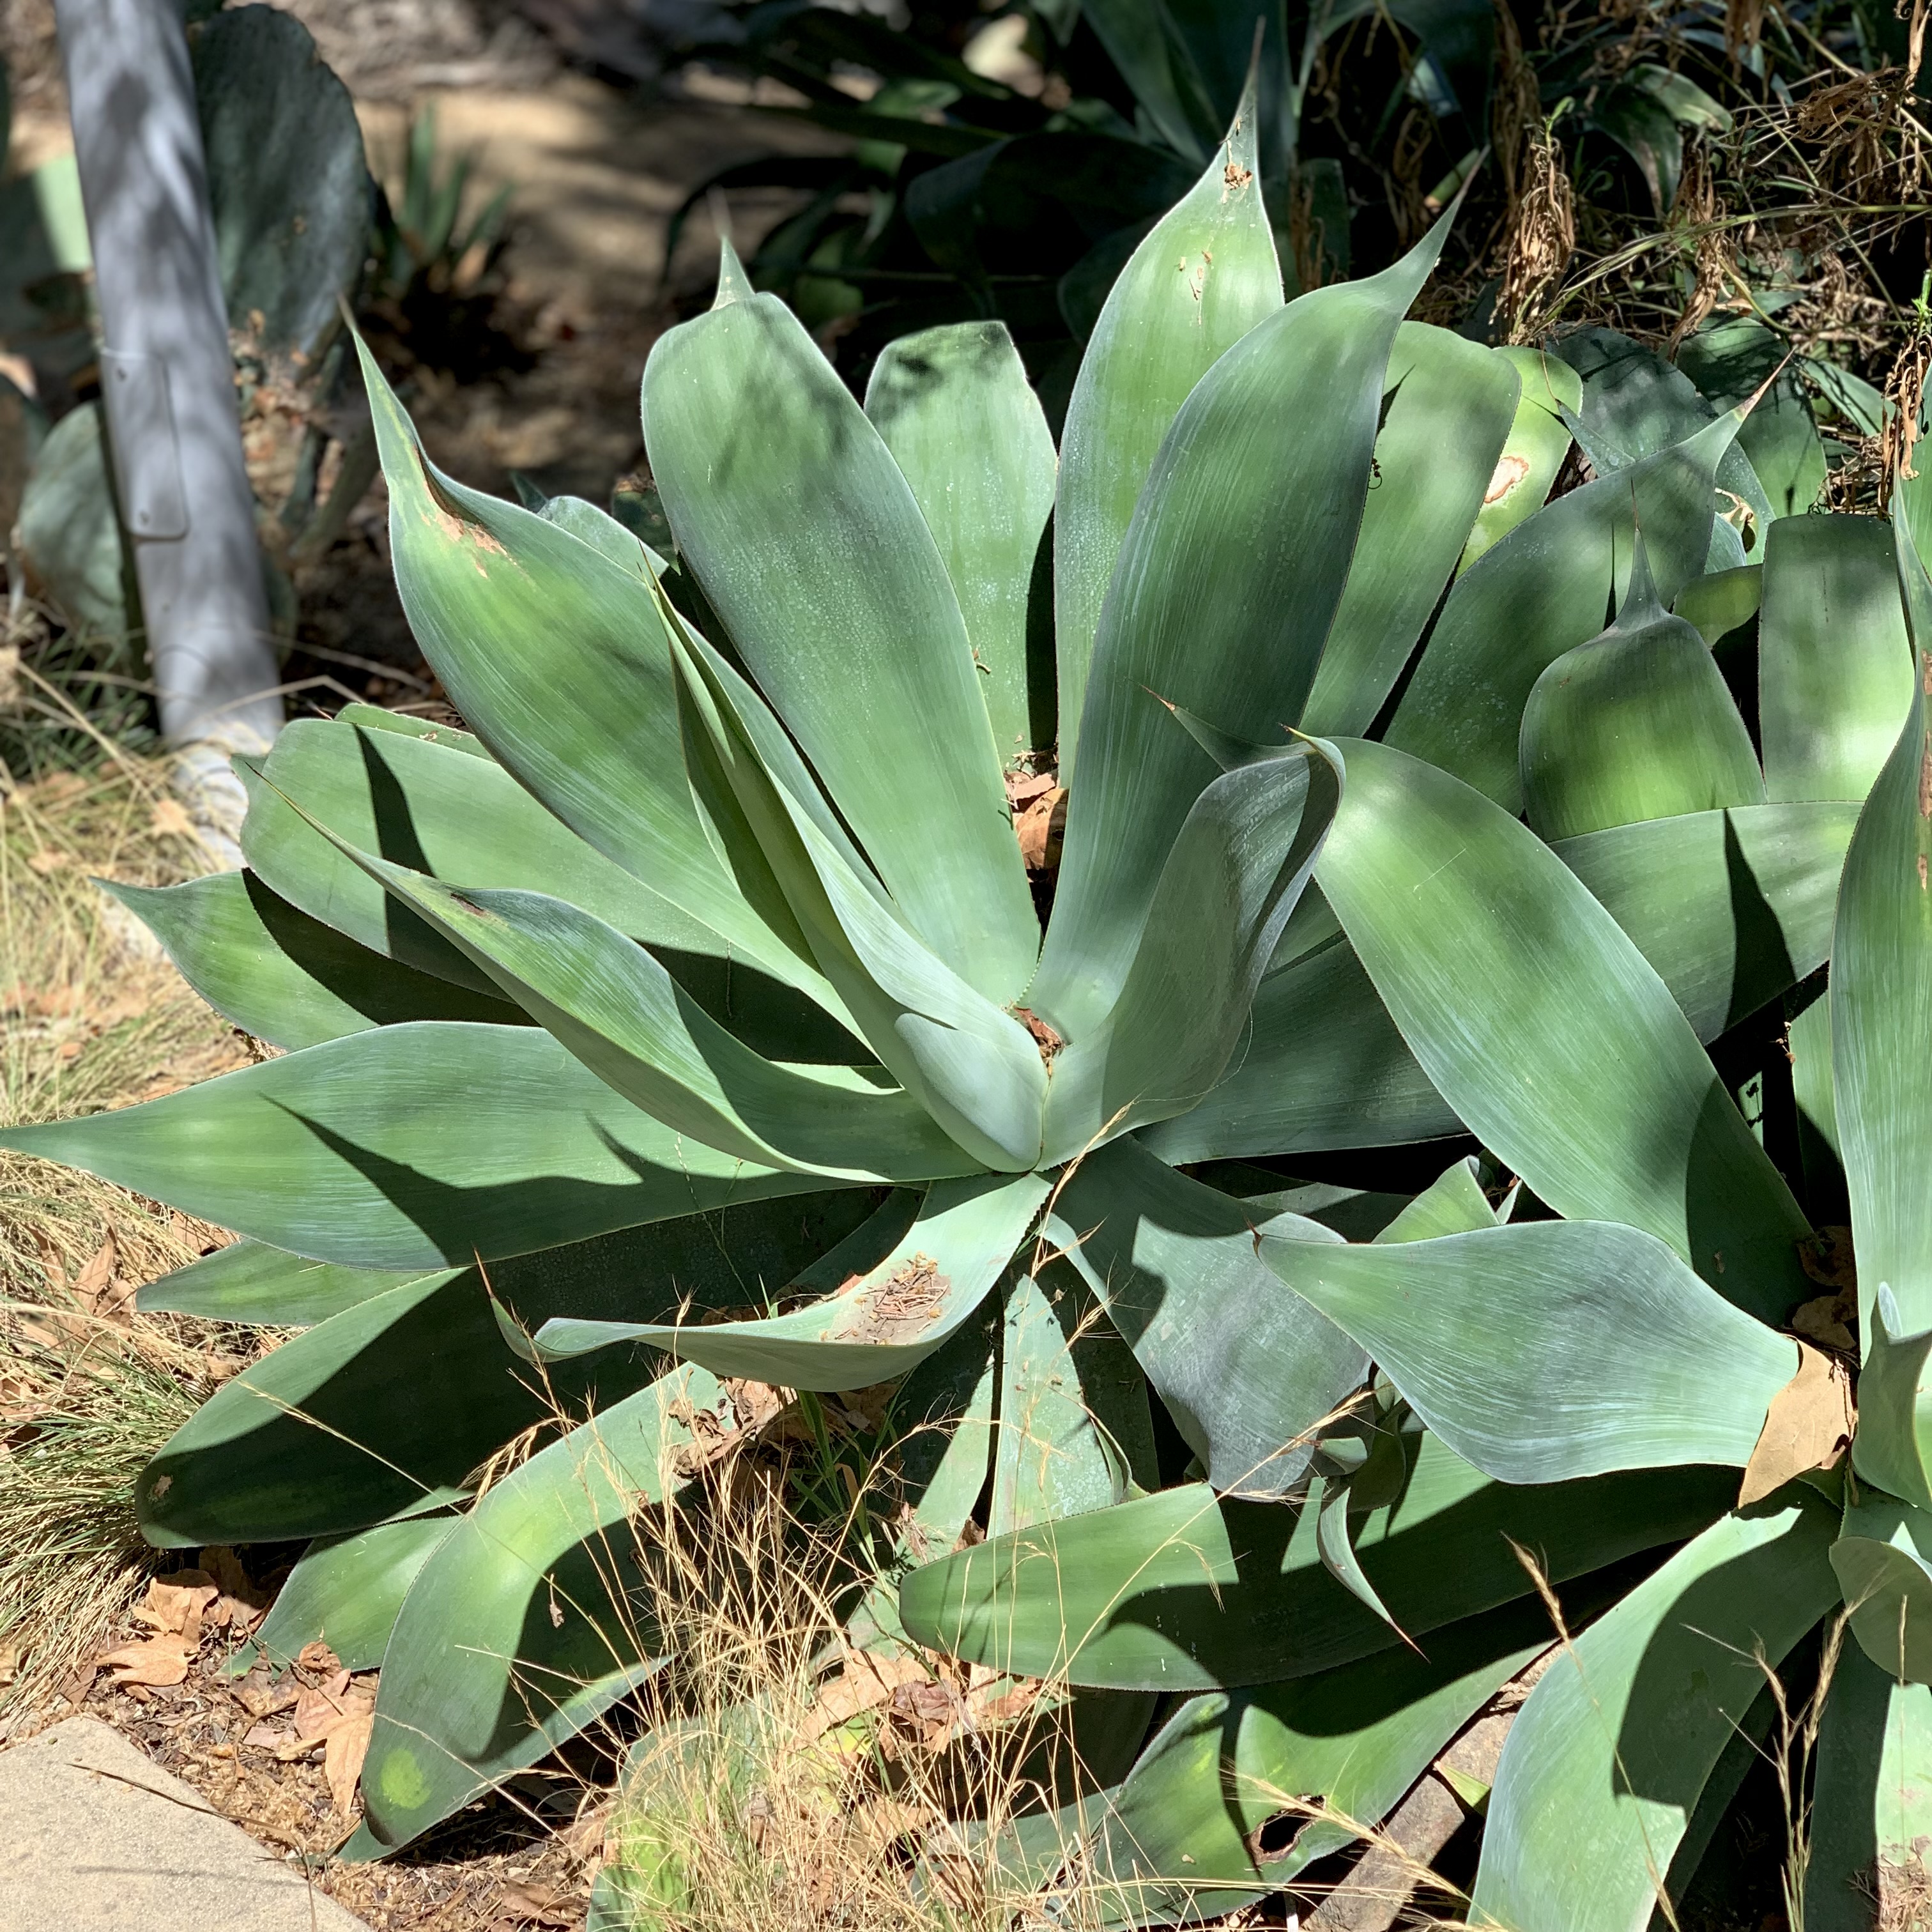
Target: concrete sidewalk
{"x":94,"y":1837}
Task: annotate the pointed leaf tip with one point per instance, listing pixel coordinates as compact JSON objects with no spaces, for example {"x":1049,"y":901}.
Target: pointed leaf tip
{"x":1243,"y":139}
{"x":733,"y":284}
{"x":1641,"y":604}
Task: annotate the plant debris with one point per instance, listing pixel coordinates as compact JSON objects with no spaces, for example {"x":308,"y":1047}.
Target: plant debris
{"x":900,"y":1309}
{"x":1808,"y":1426}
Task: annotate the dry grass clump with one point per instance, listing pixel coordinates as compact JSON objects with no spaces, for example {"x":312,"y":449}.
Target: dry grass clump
{"x":90,"y":1017}
{"x":790,"y":1780}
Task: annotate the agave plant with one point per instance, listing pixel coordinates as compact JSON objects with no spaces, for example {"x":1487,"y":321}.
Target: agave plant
{"x":1629,"y":1324}
{"x":693,"y":1024}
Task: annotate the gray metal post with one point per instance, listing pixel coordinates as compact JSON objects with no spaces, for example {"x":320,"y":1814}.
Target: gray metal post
{"x":168,"y":385}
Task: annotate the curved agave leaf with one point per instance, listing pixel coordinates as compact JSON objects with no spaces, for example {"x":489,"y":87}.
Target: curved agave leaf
{"x":1835,"y":663}
{"x":1183,"y":1590}
{"x":1204,"y":277}
{"x":1242,"y":536}
{"x":1732,"y":358}
{"x":726,"y":1255}
{"x":1636,"y":403}
{"x":972,"y":1066}
{"x":1453,"y":1203}
{"x":561,"y":661}
{"x":423,"y":803}
{"x":1635,"y":725}
{"x":438,"y":809}
{"x":1074,"y":1431}
{"x":603,"y":534}
{"x":954,"y":407}
{"x":1611,"y":1354}
{"x":620,"y":1013}
{"x":880,"y":1318}
{"x":1881,"y":995}
{"x":810,"y":545}
{"x":1323,"y":1066}
{"x":248,"y":1281}
{"x":381,"y":1411}
{"x":1540,"y":1021}
{"x":1446,"y":422}
{"x":1603,"y":1766}
{"x":1533,"y":453}
{"x":1730,"y":907}
{"x":283,"y":976}
{"x":1893,"y":1447}
{"x":1883,"y":1561}
{"x":409,"y":1146}
{"x":346,"y":1591}
{"x":1186,"y":1830}
{"x":1721,"y":602}
{"x":1547,"y":586}
{"x":386,"y":1409}
{"x":1246,"y":1369}
{"x":524,"y":1627}
{"x":1871,"y":1801}
{"x":1227,"y":888}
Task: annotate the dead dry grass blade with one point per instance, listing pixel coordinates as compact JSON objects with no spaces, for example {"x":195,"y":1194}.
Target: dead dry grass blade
{"x":89,"y":1018}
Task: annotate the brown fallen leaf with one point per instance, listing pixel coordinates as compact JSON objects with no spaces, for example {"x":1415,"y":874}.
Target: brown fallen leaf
{"x":1807,"y":1426}
{"x":342,"y":1755}
{"x":867,"y":1682}
{"x":175,"y":1604}
{"x":318,"y":1656}
{"x":1040,"y":829}
{"x":169,"y":820}
{"x":158,"y":1660}
{"x":266,"y":1699}
{"x":880,"y":1822}
{"x":1828,"y":1258}
{"x":267,"y":1737}
{"x":21,"y":1402}
{"x":1023,"y":787}
{"x":98,"y":1291}
{"x":1826,"y":1320}
{"x":584,"y":1838}
{"x":753,"y":1404}
{"x":527,"y":1904}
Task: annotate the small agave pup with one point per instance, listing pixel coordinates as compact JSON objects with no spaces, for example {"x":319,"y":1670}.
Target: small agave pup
{"x":705,"y":977}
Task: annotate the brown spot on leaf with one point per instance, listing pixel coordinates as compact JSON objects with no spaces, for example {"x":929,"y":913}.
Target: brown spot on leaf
{"x":446,"y":514}
{"x":1509,"y":472}
{"x":1235,"y":178}
{"x":1808,"y":1426}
